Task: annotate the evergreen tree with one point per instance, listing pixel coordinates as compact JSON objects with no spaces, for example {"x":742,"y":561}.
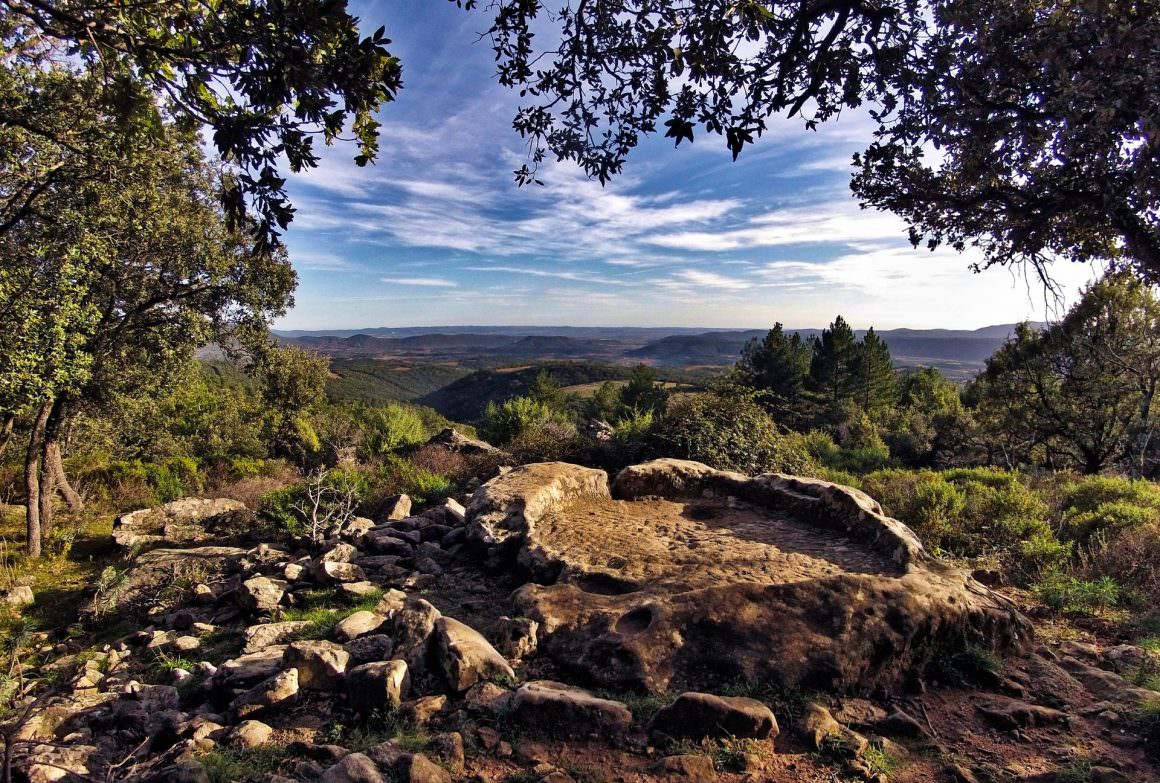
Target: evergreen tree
{"x":779,"y":365}
{"x":644,"y":393}
{"x":834,"y":365}
{"x":877,"y":382}
{"x":546,"y":390}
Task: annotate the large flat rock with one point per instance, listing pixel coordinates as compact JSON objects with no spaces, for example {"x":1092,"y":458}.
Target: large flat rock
{"x":691,"y":576}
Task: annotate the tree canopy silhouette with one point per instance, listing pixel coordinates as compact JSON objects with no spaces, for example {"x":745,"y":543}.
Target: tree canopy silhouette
{"x":1027,"y":129}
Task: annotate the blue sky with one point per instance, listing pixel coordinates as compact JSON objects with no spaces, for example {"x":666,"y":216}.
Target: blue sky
{"x":437,"y":233}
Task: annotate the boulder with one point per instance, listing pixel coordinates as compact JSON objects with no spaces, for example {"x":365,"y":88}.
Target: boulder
{"x":453,"y":440}
{"x":563,"y":710}
{"x":259,"y":637}
{"x":276,"y":691}
{"x":358,"y":624}
{"x":795,"y":580}
{"x":334,"y":572}
{"x":700,"y":715}
{"x":388,"y":542}
{"x":183,"y":521}
{"x":245,"y":670}
{"x":380,"y":685}
{"x":261,"y":595}
{"x":407,"y":767}
{"x":397,"y":507}
{"x":19,"y":596}
{"x":340,"y":553}
{"x":687,"y":768}
{"x":448,"y":748}
{"x":517,"y":636}
{"x":251,"y":734}
{"x":411,"y":628}
{"x":465,"y":657}
{"x":366,"y":649}
{"x":353,"y":768}
{"x":321,"y":664}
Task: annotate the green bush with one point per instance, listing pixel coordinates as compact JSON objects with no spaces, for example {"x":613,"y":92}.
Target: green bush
{"x":869,"y":455}
{"x":392,"y":427}
{"x":1070,"y":594}
{"x":502,"y":423}
{"x":733,"y":433}
{"x":1089,"y":494}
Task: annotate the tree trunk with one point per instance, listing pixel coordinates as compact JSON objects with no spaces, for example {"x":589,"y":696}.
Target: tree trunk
{"x":53,"y":462}
{"x":6,"y":432}
{"x":47,"y":494}
{"x":32,"y":480}
{"x":76,"y":503}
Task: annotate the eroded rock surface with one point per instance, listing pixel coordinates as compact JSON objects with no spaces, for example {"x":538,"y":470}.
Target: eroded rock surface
{"x":687,"y":574}
{"x":180,"y":522}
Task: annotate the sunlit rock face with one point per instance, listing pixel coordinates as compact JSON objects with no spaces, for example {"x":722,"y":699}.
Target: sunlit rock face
{"x":681,"y":575}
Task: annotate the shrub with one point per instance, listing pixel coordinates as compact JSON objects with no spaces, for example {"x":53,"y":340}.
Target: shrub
{"x":504,"y":422}
{"x":1067,"y":593}
{"x":1093,"y":492}
{"x":869,"y":455}
{"x":392,"y":427}
{"x":733,"y":433}
{"x":1132,"y":557}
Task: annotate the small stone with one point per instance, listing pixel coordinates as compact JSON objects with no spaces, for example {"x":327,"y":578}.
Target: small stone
{"x":251,"y":733}
{"x":354,"y":768}
{"x":686,"y":767}
{"x":701,"y":715}
{"x":259,"y":637}
{"x":186,"y":644}
{"x":276,"y":691}
{"x":330,"y":572}
{"x":320,"y":664}
{"x":261,"y":595}
{"x":420,"y":711}
{"x":377,"y":686}
{"x":517,"y":636}
{"x":358,"y":624}
{"x":448,"y":748}
{"x":357,"y":589}
{"x":900,"y":724}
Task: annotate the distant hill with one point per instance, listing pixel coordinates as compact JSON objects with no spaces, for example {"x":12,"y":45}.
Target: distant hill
{"x":377,"y":381}
{"x":466,"y":398}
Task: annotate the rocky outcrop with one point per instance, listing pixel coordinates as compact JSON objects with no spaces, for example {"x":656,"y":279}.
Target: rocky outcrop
{"x":453,"y":440}
{"x":185,"y":521}
{"x":687,"y":574}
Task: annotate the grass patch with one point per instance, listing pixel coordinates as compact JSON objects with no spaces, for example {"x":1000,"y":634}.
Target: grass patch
{"x":325,"y":608}
{"x":244,"y":766}
{"x":583,"y":773}
{"x":880,"y":760}
{"x":787,"y":702}
{"x":376,"y":728}
{"x":1071,"y":594}
{"x":643,"y":706}
{"x":728,"y":755}
{"x":970,"y":665}
{"x":1077,"y":771}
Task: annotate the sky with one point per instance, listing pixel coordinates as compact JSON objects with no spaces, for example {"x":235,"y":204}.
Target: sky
{"x":438,"y":233}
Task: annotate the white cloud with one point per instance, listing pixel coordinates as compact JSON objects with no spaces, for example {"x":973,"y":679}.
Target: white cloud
{"x":422,"y":282}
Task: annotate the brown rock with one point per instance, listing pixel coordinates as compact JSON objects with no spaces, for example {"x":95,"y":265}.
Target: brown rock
{"x":465,"y":657}
{"x":686,"y":767}
{"x":377,"y":686}
{"x":555,"y":708}
{"x":355,"y":768}
{"x":320,"y":664}
{"x":701,"y":715}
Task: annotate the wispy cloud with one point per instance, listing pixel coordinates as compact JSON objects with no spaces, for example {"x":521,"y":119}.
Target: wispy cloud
{"x":421,"y":282}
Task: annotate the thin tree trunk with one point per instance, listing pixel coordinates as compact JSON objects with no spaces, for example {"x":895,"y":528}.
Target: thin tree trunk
{"x":76,"y":503}
{"x":52,"y":458}
{"x":47,"y":494}
{"x":6,"y":432}
{"x":32,"y":480}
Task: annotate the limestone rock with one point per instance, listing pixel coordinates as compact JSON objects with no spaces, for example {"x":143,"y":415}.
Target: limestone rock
{"x":340,"y":553}
{"x":245,"y":670}
{"x":334,"y":572}
{"x":561,"y":709}
{"x":701,"y":715}
{"x":689,"y":768}
{"x":251,"y":733}
{"x":261,"y":594}
{"x":367,"y":649}
{"x":465,"y":657}
{"x":354,"y":768}
{"x":320,"y":664}
{"x":1011,"y":714}
{"x":517,"y":636}
{"x":420,"y":711}
{"x":259,"y":637}
{"x":787,"y":577}
{"x":19,"y":595}
{"x":276,"y":691}
{"x":397,"y":507}
{"x":182,"y":521}
{"x":453,"y":440}
{"x":358,"y":624}
{"x":412,"y":627}
{"x":377,"y":686}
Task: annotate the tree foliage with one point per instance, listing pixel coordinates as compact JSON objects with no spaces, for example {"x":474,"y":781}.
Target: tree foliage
{"x":267,"y":78}
{"x":1025,"y":128}
{"x":1081,"y":393}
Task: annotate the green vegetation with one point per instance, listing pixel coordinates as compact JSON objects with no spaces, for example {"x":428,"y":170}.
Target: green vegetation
{"x":243,"y":766}
{"x":375,"y":382}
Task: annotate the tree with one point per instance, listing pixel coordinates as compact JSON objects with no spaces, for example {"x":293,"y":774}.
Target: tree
{"x":151,"y":272}
{"x":1081,"y":393}
{"x":778,"y":365}
{"x":833,"y":366}
{"x":292,"y":384}
{"x":1041,"y":115}
{"x":644,"y":393}
{"x":267,"y":78}
{"x":546,"y":390}
{"x":877,"y":385}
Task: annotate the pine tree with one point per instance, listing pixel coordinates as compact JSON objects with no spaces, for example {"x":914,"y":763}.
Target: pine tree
{"x":877,"y":383}
{"x":778,"y":364}
{"x":833,"y":367}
